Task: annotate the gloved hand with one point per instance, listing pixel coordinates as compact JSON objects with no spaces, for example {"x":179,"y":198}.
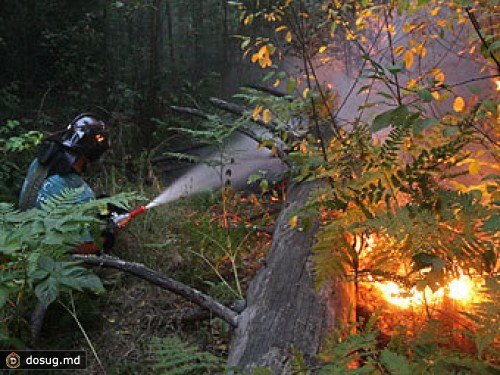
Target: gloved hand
{"x":108,"y":233}
{"x":108,"y":236}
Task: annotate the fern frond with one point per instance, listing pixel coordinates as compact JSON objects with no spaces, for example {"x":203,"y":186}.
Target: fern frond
{"x":175,"y":357}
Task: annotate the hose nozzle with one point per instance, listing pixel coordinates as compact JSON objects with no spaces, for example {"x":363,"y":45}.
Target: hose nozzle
{"x":121,"y":220}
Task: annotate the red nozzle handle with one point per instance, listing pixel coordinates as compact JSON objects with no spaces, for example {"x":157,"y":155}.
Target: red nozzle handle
{"x":137,"y":211}
{"x":123,"y":221}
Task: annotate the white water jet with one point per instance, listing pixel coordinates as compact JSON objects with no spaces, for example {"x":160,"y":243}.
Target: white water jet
{"x":240,"y":160}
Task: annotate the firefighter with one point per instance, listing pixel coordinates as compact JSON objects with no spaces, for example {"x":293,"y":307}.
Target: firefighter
{"x":58,"y":166}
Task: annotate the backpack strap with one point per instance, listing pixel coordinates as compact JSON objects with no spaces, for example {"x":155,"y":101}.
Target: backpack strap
{"x":33,"y":185}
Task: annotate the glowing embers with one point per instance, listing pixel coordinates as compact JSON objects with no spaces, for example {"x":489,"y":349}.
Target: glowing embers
{"x":463,"y":290}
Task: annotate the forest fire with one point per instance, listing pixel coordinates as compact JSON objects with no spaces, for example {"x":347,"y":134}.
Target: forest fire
{"x":462,"y":289}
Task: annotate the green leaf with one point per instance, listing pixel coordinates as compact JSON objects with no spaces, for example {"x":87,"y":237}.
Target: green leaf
{"x":422,"y":124}
{"x":268,"y":76}
{"x":396,"y":117}
{"x":395,"y":363}
{"x":38,"y":275}
{"x":291,"y":85}
{"x":495,"y":46}
{"x":4,"y":295}
{"x":79,"y":278}
{"x":450,"y":130}
{"x":364,"y":88}
{"x":492,"y":224}
{"x":46,"y":263}
{"x":425,"y":95}
{"x":47,"y":291}
{"x":476,"y":90}
{"x":394,"y":69}
{"x":382,"y":121}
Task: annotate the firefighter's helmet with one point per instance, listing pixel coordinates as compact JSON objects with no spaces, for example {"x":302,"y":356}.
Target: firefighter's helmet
{"x":87,"y":135}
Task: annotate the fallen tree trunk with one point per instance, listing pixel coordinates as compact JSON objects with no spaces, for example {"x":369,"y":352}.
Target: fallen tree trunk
{"x":143,"y":272}
{"x":283,"y":308}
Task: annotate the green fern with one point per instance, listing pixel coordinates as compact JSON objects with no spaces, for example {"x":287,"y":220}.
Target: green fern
{"x":378,"y":191}
{"x":34,"y":247}
{"x":175,"y":357}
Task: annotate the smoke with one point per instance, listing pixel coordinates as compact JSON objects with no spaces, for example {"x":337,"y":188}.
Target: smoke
{"x":242,"y":159}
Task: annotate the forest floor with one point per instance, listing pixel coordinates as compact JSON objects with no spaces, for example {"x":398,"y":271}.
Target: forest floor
{"x":182,"y":241}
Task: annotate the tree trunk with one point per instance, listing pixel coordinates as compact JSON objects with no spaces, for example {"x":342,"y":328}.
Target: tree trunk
{"x":284,"y":309}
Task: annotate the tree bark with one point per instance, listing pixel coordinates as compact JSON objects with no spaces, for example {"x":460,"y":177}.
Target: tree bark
{"x":283,"y":308}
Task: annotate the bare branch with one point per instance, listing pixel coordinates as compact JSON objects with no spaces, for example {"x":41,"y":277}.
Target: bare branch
{"x":174,"y":286}
{"x":477,"y":28}
{"x":191,"y":111}
{"x":267,"y":90}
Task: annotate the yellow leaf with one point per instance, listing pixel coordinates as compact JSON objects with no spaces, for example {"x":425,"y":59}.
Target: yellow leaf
{"x":305,"y":92}
{"x":459,"y":104}
{"x":322,"y":49}
{"x":408,"y":59}
{"x":474,"y":168}
{"x":435,"y":95}
{"x":265,"y":61}
{"x":399,"y":50}
{"x":350,"y":35}
{"x":280,"y":28}
{"x":390,"y":29}
{"x":266,"y":116}
{"x":411,"y":83}
{"x":288,"y":37}
{"x":293,"y":221}
{"x":277,"y":82}
{"x":421,"y":50}
{"x":441,"y":23}
{"x":407,"y":143}
{"x":256,"y":112}
{"x":439,"y":78}
{"x":472,"y":50}
{"x":435,"y":11}
{"x":255,"y":57}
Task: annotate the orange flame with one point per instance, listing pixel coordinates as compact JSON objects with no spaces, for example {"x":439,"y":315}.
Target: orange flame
{"x":462,"y":289}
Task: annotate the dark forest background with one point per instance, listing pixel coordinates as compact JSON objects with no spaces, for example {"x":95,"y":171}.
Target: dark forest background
{"x":128,"y":60}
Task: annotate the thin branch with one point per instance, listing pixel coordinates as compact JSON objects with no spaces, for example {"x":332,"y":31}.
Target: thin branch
{"x":267,"y":90}
{"x":174,"y":286}
{"x":42,"y":103}
{"x":254,"y":228}
{"x":387,"y":15}
{"x":474,"y":80}
{"x":477,"y":28}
